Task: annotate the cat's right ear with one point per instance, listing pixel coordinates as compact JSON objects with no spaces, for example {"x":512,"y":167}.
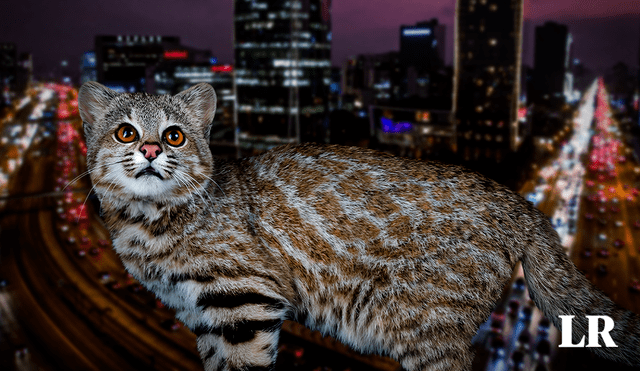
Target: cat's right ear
{"x":93,"y":100}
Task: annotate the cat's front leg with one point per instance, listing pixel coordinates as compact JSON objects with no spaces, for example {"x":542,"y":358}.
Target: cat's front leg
{"x":245,"y":345}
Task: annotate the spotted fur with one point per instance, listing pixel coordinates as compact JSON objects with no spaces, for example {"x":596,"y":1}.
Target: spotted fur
{"x":392,"y":256}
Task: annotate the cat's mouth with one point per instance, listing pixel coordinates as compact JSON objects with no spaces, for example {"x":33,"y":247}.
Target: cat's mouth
{"x":149,"y":171}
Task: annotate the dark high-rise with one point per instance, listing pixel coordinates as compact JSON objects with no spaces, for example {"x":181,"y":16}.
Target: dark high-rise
{"x":283,"y":69}
{"x":487,"y":64}
{"x":552,"y":78}
{"x":422,"y":45}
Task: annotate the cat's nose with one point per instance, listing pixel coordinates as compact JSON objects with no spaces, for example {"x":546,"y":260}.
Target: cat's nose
{"x":151,"y":151}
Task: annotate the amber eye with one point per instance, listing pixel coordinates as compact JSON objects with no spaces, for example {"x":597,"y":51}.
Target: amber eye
{"x":174,"y":137}
{"x":126,"y":133}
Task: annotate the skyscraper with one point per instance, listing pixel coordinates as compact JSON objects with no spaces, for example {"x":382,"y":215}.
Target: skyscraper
{"x":552,"y":75}
{"x":487,"y":64}
{"x":283,"y":69}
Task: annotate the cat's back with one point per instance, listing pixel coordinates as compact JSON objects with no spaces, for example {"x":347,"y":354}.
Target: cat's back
{"x":310,"y":171}
{"x":358,"y":198}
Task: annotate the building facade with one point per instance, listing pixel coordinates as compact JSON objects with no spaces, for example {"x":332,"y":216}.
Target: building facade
{"x":283,"y":70}
{"x":487,"y":68}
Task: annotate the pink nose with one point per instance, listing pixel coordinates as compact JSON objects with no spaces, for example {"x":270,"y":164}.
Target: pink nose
{"x":151,"y":151}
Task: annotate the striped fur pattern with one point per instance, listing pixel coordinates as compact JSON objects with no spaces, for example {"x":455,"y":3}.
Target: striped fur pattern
{"x":392,"y":256}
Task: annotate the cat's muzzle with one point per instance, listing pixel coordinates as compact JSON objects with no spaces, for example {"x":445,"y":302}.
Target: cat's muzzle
{"x":149,"y":171}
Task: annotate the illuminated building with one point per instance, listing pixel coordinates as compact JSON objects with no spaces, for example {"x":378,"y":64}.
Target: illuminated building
{"x":371,"y":79}
{"x":422,"y":45}
{"x":552,"y":79}
{"x":413,"y":132}
{"x":283,"y":70}
{"x":487,"y":65}
{"x":128,"y":63}
{"x":8,"y":72}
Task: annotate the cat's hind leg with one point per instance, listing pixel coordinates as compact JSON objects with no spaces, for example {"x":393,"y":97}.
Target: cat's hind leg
{"x":247,"y":345}
{"x":449,"y":357}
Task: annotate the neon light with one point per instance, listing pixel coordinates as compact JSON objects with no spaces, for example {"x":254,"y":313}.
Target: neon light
{"x":222,"y":68}
{"x":175,"y":54}
{"x":522,"y":113}
{"x":416,"y":32}
{"x":388,"y":126}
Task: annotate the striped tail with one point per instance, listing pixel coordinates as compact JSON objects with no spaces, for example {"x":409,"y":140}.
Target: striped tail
{"x":558,"y":288}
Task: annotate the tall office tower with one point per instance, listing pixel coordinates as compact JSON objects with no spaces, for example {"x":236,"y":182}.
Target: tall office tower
{"x":552,"y":74}
{"x":422,"y":45}
{"x":283,"y":70}
{"x":487,"y":65}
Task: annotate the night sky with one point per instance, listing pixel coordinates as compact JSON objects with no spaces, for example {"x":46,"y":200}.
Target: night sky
{"x":604,"y":31}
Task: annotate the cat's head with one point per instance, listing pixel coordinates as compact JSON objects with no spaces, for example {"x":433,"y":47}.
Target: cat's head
{"x":145,"y":147}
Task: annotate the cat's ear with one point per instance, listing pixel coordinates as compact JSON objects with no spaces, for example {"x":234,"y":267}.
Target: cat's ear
{"x":201,"y":102}
{"x":93,"y":100}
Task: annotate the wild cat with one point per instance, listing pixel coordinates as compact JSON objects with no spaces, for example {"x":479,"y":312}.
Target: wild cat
{"x":394,"y":256}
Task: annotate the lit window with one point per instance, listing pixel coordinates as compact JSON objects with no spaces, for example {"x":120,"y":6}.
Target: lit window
{"x":493,"y":42}
{"x":479,"y":109}
{"x":493,"y":7}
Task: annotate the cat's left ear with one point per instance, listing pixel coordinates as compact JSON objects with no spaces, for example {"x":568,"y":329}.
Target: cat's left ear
{"x":201,"y":101}
{"x":93,"y":101}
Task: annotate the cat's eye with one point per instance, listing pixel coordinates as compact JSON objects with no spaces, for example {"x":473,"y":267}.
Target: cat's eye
{"x":126,"y":133}
{"x":174,"y":137}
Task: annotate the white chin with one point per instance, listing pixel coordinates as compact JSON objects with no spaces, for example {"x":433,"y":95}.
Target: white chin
{"x":149,"y":186}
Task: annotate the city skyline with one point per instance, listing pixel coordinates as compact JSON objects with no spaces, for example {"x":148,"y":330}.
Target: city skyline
{"x":604,"y":32}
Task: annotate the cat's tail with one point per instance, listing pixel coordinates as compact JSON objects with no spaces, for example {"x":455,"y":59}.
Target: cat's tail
{"x":558,"y":288}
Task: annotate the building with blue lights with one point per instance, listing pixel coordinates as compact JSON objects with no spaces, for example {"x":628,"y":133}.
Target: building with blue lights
{"x":88,"y":70}
{"x":283,"y":70}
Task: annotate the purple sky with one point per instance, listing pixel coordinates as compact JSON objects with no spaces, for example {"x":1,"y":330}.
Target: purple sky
{"x":605,"y":31}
